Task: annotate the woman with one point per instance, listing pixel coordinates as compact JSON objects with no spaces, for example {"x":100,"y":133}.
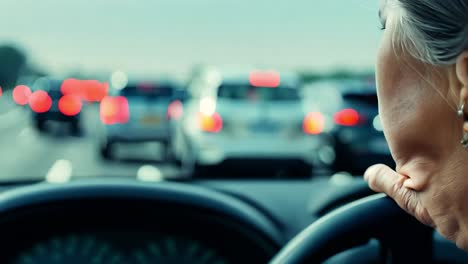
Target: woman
{"x":422,"y":78}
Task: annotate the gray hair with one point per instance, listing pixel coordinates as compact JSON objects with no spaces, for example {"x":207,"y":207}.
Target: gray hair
{"x":433,"y":31}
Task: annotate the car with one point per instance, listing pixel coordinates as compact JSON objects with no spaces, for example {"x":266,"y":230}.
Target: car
{"x":65,"y":109}
{"x":248,"y":117}
{"x":139,"y":112}
{"x":351,"y":112}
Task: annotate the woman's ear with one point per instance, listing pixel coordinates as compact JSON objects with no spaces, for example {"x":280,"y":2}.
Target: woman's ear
{"x":462,"y":76}
{"x":462,"y":68}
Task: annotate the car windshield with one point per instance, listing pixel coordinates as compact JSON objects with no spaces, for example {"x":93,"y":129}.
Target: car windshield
{"x":148,"y":90}
{"x":70,"y":73}
{"x":252,"y":93}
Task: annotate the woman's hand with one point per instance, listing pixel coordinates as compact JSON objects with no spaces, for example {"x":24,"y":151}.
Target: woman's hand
{"x":440,"y":203}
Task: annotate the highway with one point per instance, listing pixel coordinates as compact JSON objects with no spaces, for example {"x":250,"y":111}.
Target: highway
{"x":56,"y":156}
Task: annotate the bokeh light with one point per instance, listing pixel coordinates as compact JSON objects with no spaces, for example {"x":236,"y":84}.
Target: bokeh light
{"x":267,"y":79}
{"x":1,"y":91}
{"x":347,"y":117}
{"x":314,"y":123}
{"x":21,"y":94}
{"x":119,"y":80}
{"x":70,"y":105}
{"x":114,"y":110}
{"x":377,"y":123}
{"x":207,"y":106}
{"x":210,"y":123}
{"x":40,"y":101}
{"x":94,"y":90}
{"x":87,"y":90}
{"x":175,"y":110}
{"x":42,"y":83}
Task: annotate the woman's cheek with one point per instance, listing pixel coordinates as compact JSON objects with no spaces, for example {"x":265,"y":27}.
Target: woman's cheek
{"x":385,"y":78}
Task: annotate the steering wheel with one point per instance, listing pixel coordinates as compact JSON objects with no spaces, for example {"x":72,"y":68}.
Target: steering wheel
{"x":403,"y":239}
{"x":37,"y":212}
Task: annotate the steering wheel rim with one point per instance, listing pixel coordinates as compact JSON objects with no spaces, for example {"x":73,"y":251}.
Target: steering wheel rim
{"x":16,"y":202}
{"x":354,"y":224}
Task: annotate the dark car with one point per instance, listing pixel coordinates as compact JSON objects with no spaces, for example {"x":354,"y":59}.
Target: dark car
{"x":359,"y":135}
{"x":353,"y":121}
{"x":64,"y":109}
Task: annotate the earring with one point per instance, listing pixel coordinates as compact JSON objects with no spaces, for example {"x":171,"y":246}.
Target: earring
{"x":461,"y":110}
{"x":461,"y":113}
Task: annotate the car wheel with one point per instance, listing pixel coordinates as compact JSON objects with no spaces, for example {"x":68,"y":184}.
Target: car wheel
{"x":168,"y":154}
{"x":106,"y":151}
{"x":187,"y":160}
{"x":75,"y":127}
{"x":40,"y":125}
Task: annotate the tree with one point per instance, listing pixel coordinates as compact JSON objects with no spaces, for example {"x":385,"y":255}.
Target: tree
{"x":12,"y":61}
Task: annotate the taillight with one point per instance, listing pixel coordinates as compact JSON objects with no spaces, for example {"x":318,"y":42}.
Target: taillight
{"x":347,"y":117}
{"x":210,"y":123}
{"x":314,"y":123}
{"x":70,"y":105}
{"x":114,"y":110}
{"x":40,"y":101}
{"x":87,"y":90}
{"x":175,"y":110}
{"x":21,"y":94}
{"x":267,"y":79}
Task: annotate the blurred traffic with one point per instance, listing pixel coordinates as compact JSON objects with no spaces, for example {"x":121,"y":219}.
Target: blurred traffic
{"x":199,"y":94}
{"x":220,"y":122}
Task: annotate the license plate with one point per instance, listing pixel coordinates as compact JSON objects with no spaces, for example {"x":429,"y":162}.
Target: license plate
{"x":151,"y":120}
{"x":264,"y":127}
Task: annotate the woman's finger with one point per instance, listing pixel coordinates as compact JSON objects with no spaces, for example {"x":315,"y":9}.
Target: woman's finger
{"x":383,"y":179}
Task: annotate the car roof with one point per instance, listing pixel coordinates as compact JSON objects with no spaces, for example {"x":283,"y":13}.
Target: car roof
{"x":235,"y":76}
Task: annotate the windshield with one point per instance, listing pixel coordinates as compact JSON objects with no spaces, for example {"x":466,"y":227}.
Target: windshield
{"x":251,"y":93}
{"x":70,"y":72}
{"x":148,"y":90}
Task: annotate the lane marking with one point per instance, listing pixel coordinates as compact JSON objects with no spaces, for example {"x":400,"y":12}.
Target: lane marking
{"x":60,"y":172}
{"x":149,"y":173}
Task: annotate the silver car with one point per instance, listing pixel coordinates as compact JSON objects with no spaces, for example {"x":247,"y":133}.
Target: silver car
{"x":250,"y":118}
{"x":139,"y":112}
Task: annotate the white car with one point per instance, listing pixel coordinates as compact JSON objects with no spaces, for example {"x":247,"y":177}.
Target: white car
{"x":253,"y":117}
{"x":136,"y":113}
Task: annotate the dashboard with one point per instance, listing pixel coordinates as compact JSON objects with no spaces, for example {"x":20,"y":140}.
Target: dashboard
{"x":123,"y":221}
{"x":114,"y":248}
{"x":129,"y":222}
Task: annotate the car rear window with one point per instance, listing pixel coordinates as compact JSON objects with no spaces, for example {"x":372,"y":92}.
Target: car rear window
{"x":362,"y":98}
{"x":55,"y":93}
{"x":150,"y":91}
{"x":251,"y":93}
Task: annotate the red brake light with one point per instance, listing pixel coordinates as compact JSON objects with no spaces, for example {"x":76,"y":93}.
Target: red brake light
{"x":21,"y":94}
{"x":114,"y":110}
{"x":175,"y":110}
{"x":210,"y":123}
{"x":40,"y":101}
{"x":267,"y":79}
{"x":314,"y":123}
{"x":347,"y":117}
{"x":70,"y":105}
{"x":88,"y":90}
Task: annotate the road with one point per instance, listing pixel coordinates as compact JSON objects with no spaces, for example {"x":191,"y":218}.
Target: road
{"x":57,"y":156}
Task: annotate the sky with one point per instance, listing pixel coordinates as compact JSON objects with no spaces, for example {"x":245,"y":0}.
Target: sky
{"x":151,"y":37}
